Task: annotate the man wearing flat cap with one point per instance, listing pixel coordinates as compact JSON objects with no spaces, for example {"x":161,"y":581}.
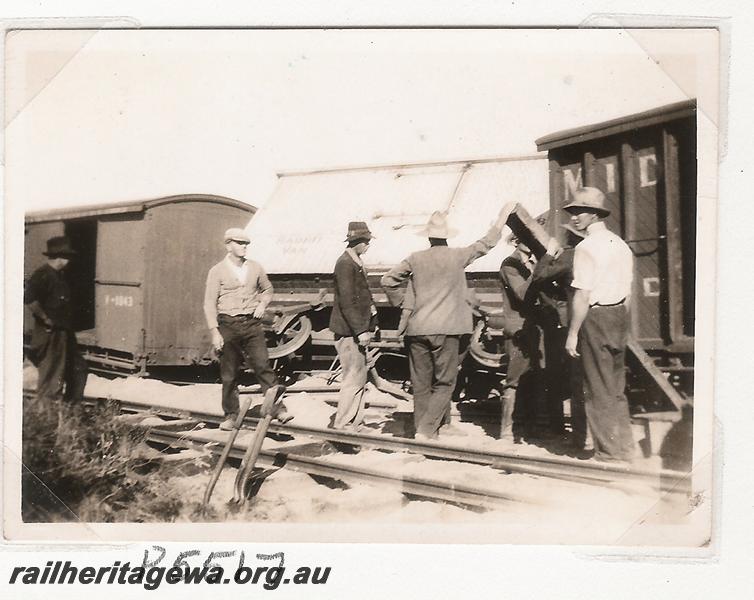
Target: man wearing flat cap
{"x":54,"y":350}
{"x":237,"y":294}
{"x":353,"y":319}
{"x":598,"y":330}
{"x":441,"y":314}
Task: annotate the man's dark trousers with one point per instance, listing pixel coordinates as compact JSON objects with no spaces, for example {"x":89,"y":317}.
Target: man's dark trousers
{"x":524,"y":378}
{"x":433,"y":361}
{"x":602,"y":344}
{"x":243,"y":337}
{"x":557,"y":372}
{"x":58,"y":360}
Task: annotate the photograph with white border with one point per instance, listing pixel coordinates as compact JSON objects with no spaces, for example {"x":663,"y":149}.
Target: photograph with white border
{"x":136,"y":160}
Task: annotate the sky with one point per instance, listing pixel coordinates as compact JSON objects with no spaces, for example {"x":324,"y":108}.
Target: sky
{"x":107,"y":116}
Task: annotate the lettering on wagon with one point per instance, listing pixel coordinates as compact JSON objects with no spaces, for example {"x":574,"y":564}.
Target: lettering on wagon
{"x":119,"y":300}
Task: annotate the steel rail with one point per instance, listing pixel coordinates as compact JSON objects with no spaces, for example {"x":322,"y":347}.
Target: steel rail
{"x":665,"y":480}
{"x":418,"y":486}
{"x":569,"y":469}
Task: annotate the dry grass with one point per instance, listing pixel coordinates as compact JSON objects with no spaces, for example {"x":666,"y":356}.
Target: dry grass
{"x":82,"y":464}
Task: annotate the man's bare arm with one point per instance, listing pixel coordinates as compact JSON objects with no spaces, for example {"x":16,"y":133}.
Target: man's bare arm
{"x":578,"y":314}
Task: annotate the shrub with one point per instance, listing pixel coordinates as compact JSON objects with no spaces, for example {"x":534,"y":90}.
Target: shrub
{"x":82,"y":463}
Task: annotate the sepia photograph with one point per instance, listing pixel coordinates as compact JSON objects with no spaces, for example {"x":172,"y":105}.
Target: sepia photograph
{"x":371,"y":285}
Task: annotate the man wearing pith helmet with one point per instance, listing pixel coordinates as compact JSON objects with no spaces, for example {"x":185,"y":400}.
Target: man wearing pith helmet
{"x":440,"y":315}
{"x":598,"y":330}
{"x":353,"y":319}
{"x":237,"y":294}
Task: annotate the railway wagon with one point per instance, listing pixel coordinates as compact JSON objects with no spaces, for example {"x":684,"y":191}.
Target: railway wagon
{"x":138,"y":280}
{"x":300,"y":231}
{"x":645,"y":164}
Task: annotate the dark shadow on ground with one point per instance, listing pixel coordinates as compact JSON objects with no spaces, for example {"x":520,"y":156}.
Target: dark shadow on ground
{"x":400,"y":424}
{"x":676,"y":448}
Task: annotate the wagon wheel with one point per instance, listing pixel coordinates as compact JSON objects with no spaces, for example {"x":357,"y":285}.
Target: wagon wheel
{"x":393,"y":367}
{"x":487,"y":347}
{"x":292,"y":336}
{"x":389,"y":373}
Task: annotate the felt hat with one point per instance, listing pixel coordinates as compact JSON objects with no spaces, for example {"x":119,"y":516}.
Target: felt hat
{"x":588,"y":198}
{"x":59,"y":246}
{"x":236,"y":234}
{"x":437,"y":226}
{"x":358,"y":230}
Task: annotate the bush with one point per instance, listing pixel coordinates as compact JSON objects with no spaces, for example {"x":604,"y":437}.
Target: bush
{"x":82,"y":463}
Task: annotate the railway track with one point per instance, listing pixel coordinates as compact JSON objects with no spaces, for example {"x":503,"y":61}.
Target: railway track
{"x":429,"y":488}
{"x":580,"y":471}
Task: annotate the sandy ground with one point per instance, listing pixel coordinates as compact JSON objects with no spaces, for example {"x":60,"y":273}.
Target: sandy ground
{"x":550,"y":511}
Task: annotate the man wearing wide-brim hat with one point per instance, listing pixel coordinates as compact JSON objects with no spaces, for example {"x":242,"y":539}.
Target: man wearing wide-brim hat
{"x":62,"y":370}
{"x":440,"y":315}
{"x":236,"y":295}
{"x":353,"y":320}
{"x":599,"y":325}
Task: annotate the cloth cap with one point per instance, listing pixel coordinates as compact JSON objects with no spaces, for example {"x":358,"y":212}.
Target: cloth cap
{"x":437,"y":226}
{"x":59,"y":246}
{"x":237,"y":234}
{"x":589,"y":198}
{"x":358,"y":230}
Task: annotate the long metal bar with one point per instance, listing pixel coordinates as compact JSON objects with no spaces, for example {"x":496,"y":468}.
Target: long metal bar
{"x":445,"y":163}
{"x":419,"y":486}
{"x":570,"y":469}
{"x":226,"y":450}
{"x":575,"y":470}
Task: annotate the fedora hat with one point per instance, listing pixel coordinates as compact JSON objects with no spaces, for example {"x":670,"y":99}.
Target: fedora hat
{"x":588,"y":198}
{"x":358,"y":230}
{"x":236,"y":234}
{"x":437,"y":226}
{"x":59,"y":246}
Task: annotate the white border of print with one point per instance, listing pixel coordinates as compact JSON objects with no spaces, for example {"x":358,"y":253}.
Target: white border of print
{"x":505,"y":568}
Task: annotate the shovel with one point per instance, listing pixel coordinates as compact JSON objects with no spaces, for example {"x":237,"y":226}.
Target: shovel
{"x":226,"y":451}
{"x":272,"y":400}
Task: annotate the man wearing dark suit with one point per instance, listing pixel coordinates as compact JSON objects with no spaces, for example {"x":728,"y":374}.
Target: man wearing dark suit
{"x":523,"y":383}
{"x":352,"y":321}
{"x":54,"y":350}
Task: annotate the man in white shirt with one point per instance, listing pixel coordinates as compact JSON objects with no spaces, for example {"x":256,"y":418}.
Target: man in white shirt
{"x":598,"y":331}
